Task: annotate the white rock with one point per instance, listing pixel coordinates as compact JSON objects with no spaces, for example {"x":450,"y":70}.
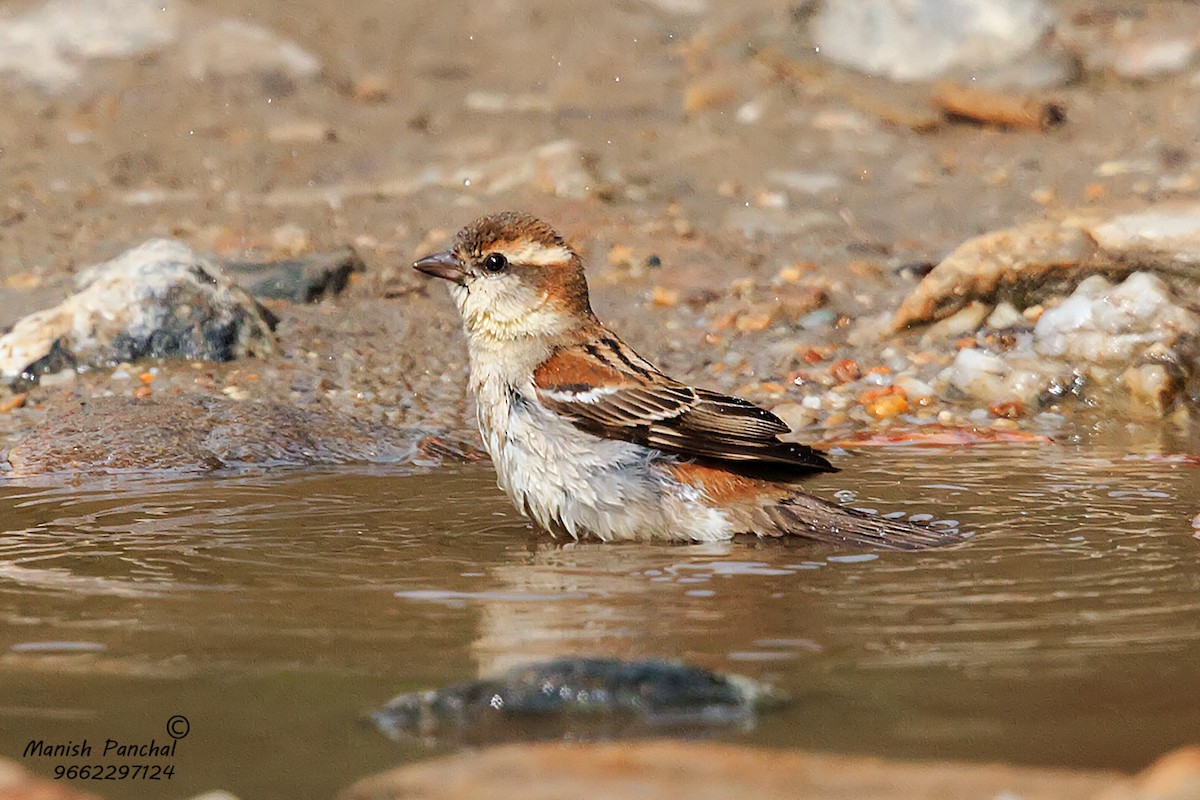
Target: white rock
{"x":1153,"y":387}
{"x":499,"y":103}
{"x":795,"y":415}
{"x":976,"y":373}
{"x":47,"y":44}
{"x":679,"y":7}
{"x":964,"y":321}
{"x":301,"y":131}
{"x":990,"y":378}
{"x":1100,"y":322}
{"x":1166,"y":230}
{"x":915,"y":388}
{"x":159,"y":299}
{"x":750,"y":112}
{"x":806,"y":182}
{"x":1005,"y":315}
{"x":230,"y":47}
{"x":914,"y":40}
{"x":1154,"y":55}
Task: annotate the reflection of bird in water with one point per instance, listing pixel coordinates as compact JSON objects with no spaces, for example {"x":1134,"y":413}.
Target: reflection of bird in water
{"x":591,"y":439}
{"x":590,"y":599}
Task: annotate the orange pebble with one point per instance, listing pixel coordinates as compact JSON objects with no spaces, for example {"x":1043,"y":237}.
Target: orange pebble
{"x":845,"y":370}
{"x":884,"y":402}
{"x":1008,"y":409}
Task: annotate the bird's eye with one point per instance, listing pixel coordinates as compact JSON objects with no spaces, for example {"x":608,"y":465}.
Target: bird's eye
{"x":495,"y":263}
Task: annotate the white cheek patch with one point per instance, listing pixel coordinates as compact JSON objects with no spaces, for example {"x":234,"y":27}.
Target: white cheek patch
{"x":537,"y":255}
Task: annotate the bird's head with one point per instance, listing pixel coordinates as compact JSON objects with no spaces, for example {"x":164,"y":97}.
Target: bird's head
{"x":512,"y":277}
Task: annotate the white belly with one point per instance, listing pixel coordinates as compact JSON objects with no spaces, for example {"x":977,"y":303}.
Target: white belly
{"x":571,"y":480}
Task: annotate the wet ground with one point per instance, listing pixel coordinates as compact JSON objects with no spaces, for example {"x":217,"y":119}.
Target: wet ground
{"x":715,"y":145}
{"x":273,"y":609}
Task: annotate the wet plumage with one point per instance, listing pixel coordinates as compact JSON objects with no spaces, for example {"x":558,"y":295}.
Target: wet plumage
{"x":592,"y":439}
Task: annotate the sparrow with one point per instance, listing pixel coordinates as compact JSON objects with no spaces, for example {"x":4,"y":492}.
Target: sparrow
{"x":589,"y":438}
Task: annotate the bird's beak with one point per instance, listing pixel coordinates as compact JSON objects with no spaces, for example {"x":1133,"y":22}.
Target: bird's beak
{"x":442,"y":265}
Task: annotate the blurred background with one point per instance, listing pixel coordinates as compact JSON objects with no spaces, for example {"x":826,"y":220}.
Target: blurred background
{"x":695,"y":129}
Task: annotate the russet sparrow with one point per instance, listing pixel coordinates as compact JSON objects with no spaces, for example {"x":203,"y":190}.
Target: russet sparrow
{"x":589,"y":438}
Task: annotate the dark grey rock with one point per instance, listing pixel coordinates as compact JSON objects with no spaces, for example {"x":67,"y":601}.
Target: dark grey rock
{"x":301,"y":280}
{"x":577,"y":698}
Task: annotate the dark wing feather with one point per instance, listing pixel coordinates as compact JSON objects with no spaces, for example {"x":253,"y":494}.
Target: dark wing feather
{"x":607,"y":389}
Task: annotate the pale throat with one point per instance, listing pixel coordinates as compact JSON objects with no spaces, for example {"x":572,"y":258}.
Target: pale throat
{"x":503,"y":324}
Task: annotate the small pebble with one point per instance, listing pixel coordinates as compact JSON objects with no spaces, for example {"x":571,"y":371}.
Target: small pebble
{"x":845,"y":370}
{"x":815,"y":320}
{"x":663,"y":297}
{"x":749,"y":113}
{"x":11,"y":403}
{"x":371,"y":88}
{"x":812,"y":356}
{"x":884,"y":402}
{"x":703,"y":96}
{"x":754,"y":320}
{"x":1005,"y":315}
{"x":302,"y":132}
{"x":291,"y":239}
{"x":1007,"y":409}
{"x":620,"y":255}
{"x":917,"y":390}
{"x":62,"y":378}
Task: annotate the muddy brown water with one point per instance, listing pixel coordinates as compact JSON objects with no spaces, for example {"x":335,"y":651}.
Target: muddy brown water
{"x":273,"y":609}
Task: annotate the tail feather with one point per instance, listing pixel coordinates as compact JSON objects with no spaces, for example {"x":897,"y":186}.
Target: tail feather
{"x":818,"y":520}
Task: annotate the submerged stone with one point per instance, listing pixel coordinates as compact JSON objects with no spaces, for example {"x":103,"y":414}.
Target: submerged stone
{"x":577,"y":698}
{"x":199,"y":433}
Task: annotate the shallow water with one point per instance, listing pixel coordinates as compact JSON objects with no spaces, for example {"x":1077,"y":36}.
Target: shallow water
{"x":273,"y":610}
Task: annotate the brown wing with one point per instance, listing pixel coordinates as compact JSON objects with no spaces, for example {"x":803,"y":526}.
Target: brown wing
{"x":607,"y":389}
